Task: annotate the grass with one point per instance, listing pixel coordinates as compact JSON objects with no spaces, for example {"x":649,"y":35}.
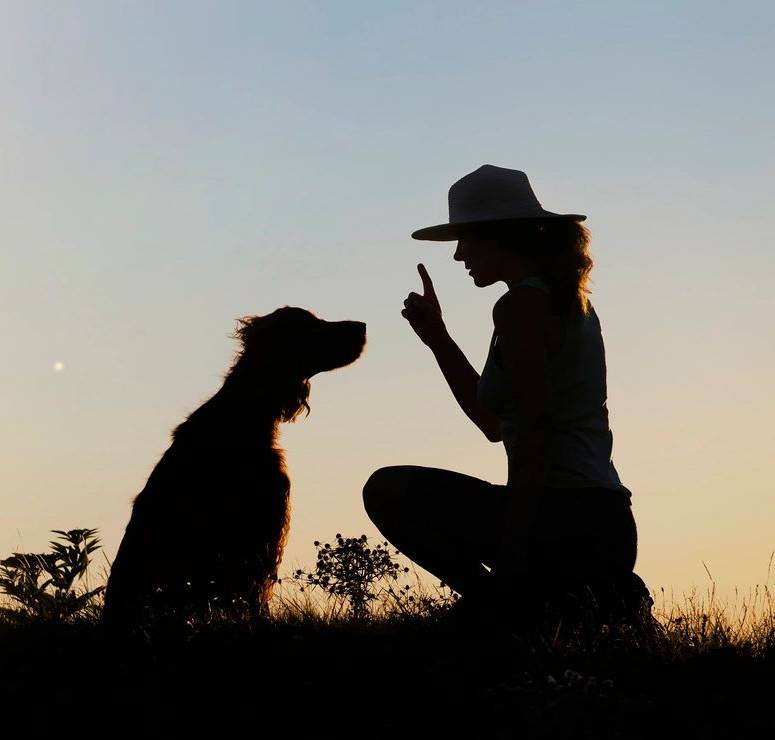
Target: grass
{"x":708,"y":669}
{"x":315,"y":666}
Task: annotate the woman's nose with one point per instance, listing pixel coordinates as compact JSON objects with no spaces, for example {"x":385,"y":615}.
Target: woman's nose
{"x":458,"y":253}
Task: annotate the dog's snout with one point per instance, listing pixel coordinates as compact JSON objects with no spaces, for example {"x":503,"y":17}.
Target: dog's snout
{"x":355,"y":329}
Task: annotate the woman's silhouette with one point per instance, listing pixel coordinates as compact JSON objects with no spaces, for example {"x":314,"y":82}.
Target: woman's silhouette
{"x":563,"y":521}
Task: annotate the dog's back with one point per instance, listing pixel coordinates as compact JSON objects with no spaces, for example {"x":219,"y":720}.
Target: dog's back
{"x":207,"y":530}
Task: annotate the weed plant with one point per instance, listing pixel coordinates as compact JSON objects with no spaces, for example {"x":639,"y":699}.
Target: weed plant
{"x":43,"y":586}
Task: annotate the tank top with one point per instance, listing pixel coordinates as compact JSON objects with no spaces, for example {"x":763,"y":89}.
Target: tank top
{"x":580,"y":439}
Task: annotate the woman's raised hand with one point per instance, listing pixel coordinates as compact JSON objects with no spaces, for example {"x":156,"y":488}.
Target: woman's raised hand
{"x":423,"y":312}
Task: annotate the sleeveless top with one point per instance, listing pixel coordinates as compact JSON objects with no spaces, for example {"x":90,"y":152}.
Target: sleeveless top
{"x":580,"y":439}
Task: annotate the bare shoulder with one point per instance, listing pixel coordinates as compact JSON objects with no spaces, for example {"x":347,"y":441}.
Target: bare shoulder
{"x":521,"y":307}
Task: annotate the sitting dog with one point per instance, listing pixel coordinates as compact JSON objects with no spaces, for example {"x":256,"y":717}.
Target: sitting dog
{"x":209,"y":528}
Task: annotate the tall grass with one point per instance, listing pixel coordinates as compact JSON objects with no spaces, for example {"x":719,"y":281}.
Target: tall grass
{"x":699,"y":622}
{"x":361,"y":586}
{"x":328,"y":652}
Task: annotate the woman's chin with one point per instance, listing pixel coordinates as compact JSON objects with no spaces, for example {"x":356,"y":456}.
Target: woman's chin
{"x":480,"y":282}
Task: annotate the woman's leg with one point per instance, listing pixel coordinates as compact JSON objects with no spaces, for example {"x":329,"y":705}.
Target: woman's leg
{"x":585,"y":539}
{"x":585,"y":533}
{"x":446,"y":522}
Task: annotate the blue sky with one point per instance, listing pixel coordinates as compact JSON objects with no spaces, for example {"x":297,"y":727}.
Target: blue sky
{"x":169,"y":167}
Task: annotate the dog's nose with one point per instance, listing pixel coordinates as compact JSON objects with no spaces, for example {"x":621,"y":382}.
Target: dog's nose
{"x":358,"y":328}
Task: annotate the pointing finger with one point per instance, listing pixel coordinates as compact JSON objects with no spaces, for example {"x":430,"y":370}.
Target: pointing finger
{"x":427,"y":283}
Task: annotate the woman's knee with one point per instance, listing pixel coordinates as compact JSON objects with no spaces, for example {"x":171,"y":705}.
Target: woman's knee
{"x":385,"y":492}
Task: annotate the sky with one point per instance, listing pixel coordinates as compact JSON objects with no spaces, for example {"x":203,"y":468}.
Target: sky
{"x":169,"y":167}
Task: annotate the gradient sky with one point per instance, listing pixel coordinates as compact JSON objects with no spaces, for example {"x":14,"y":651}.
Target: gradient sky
{"x":167,"y":167}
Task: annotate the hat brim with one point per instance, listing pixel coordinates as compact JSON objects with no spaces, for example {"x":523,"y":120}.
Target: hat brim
{"x":452,"y":232}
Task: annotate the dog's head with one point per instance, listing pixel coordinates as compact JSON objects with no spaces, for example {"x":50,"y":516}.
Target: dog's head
{"x":292,"y":344}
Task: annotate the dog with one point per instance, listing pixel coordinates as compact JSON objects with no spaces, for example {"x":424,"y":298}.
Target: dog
{"x":209,"y":528}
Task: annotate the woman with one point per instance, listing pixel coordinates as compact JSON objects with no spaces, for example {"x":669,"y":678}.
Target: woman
{"x":563,"y":520}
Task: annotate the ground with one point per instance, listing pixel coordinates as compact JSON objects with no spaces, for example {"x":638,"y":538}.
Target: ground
{"x":388,"y":678}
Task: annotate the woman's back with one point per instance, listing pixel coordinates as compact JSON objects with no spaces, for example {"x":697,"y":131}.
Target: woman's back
{"x":580,"y":439}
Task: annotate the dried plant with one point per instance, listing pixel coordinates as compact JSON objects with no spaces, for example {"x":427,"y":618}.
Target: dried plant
{"x":352,"y":570}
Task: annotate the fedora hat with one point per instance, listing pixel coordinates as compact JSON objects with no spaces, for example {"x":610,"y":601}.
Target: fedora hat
{"x":489,"y":195}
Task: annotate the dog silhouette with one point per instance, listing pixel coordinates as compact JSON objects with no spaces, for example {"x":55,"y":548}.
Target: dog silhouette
{"x":209,"y":528}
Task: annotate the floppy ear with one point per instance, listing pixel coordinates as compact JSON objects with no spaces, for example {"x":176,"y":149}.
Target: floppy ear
{"x":296,"y":400}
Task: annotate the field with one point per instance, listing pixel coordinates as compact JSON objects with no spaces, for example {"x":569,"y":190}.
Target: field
{"x":399,"y":666}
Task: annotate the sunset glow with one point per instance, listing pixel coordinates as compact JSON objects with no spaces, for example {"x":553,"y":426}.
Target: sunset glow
{"x":160,"y":184}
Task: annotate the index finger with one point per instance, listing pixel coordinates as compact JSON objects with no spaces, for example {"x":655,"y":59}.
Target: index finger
{"x":427,"y":283}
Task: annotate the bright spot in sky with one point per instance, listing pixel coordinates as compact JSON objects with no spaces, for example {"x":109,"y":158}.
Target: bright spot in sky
{"x":59,"y":366}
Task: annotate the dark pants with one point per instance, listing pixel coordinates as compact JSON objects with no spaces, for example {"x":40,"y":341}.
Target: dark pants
{"x":450,"y":523}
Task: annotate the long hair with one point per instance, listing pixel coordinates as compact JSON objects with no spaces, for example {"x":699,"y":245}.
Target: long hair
{"x":559,"y":248}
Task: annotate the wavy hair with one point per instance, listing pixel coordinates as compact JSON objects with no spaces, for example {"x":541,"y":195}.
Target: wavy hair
{"x":559,"y":248}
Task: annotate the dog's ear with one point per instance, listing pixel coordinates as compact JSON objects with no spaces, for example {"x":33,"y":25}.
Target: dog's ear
{"x":296,"y":401}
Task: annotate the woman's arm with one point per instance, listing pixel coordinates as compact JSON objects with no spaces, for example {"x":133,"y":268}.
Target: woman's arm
{"x":521,"y":320}
{"x":462,"y":380}
{"x":423,"y":312}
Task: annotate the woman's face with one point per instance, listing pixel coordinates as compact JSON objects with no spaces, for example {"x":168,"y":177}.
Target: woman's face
{"x":488,"y":261}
